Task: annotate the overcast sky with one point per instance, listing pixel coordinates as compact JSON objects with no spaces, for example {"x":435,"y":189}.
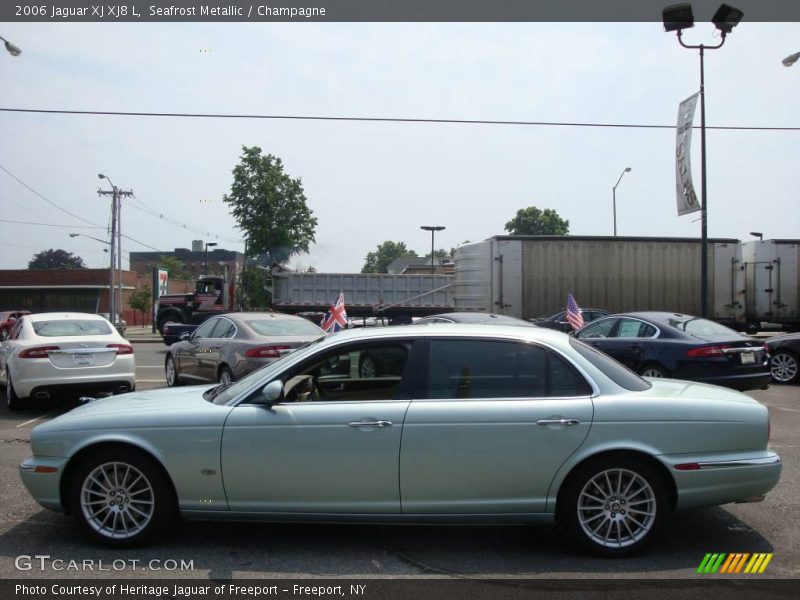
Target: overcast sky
{"x":370,"y":182}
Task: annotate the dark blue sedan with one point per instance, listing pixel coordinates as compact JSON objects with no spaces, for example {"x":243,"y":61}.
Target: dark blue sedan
{"x":662,"y":344}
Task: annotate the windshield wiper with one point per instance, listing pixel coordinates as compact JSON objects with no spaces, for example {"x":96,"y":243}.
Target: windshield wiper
{"x":216,"y":391}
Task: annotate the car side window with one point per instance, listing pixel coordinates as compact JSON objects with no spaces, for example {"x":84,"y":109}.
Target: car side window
{"x":225,"y":329}
{"x":597,"y":329}
{"x":17,"y":328}
{"x":204,"y":331}
{"x":632,"y":328}
{"x":359,"y":372}
{"x":463,"y":369}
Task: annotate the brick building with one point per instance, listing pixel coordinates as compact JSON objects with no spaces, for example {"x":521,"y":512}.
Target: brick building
{"x":194,"y":260}
{"x":81,"y":290}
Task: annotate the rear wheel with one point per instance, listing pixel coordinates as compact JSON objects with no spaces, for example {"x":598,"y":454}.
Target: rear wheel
{"x":225,"y":375}
{"x":121,"y":498}
{"x":171,"y":372}
{"x":614,"y":506}
{"x":784,"y":367}
{"x":653,"y":370}
{"x":14,"y":402}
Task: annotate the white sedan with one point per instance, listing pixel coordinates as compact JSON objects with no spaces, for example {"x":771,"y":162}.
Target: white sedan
{"x":64,"y":354}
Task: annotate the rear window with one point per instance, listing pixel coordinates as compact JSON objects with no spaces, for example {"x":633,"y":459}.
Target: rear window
{"x":64,"y":327}
{"x":702,"y":328}
{"x":284,"y":327}
{"x":616,"y":372}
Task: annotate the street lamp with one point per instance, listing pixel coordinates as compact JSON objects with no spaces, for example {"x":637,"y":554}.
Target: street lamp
{"x":212,"y":244}
{"x":677,"y":18}
{"x":73,"y":235}
{"x":758,"y":234}
{"x":614,"y":197}
{"x":791,"y":59}
{"x":12,"y":49}
{"x":433,"y":229}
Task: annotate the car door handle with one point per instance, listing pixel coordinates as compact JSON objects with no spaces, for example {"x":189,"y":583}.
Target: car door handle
{"x":567,"y":422}
{"x":635,"y":346}
{"x":371,"y":424}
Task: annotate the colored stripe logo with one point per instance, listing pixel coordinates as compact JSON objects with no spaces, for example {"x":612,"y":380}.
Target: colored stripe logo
{"x":736,"y":562}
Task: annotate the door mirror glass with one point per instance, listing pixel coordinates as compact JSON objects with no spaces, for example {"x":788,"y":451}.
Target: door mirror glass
{"x":185,"y":335}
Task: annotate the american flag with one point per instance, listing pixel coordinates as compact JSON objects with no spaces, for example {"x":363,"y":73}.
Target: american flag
{"x":574,"y":313}
{"x":336,"y":318}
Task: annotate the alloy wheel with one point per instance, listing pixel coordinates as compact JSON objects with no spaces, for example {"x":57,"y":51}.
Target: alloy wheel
{"x":783,"y":367}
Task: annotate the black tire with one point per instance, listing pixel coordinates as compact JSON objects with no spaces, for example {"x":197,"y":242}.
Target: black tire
{"x":13,"y":401}
{"x":168,"y":317}
{"x":785,"y":367}
{"x":3,"y":334}
{"x":136,"y":501}
{"x":171,"y":372}
{"x":621,"y":531}
{"x":653,"y":370}
{"x":225,"y":375}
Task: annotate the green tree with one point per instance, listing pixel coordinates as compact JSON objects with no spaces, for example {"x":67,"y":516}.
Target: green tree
{"x":253,"y":290}
{"x":56,"y":259}
{"x":174,"y":267}
{"x":270,"y":207}
{"x":141,"y":300}
{"x":532,"y":221}
{"x":378,"y":261}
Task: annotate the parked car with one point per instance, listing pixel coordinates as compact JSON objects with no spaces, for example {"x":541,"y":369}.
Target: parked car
{"x":7,"y":320}
{"x":498,"y":425}
{"x":228,"y":347}
{"x":559,"y":320}
{"x":475,"y":318}
{"x":784,"y":351}
{"x":662,"y":344}
{"x":67,"y":354}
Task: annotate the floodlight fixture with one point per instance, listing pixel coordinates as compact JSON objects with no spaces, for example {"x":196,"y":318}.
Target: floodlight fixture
{"x":677,"y":17}
{"x":726,"y":18}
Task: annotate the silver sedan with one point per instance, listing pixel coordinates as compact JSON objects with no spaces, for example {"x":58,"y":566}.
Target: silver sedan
{"x":225,"y":348}
{"x":466,"y":424}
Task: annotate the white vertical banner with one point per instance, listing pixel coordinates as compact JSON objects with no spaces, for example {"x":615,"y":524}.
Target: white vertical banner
{"x":687,"y":198}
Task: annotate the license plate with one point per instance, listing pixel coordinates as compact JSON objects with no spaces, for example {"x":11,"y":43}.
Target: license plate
{"x":81,"y":359}
{"x":748,"y":358}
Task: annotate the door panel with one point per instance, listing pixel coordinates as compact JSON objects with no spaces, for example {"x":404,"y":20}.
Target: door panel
{"x":306,"y":457}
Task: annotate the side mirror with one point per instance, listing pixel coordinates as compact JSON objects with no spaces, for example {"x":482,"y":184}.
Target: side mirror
{"x":272,"y":392}
{"x":185,"y":336}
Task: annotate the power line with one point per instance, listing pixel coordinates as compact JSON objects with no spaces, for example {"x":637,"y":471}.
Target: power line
{"x":381,"y":119}
{"x":52,"y":224}
{"x":46,"y":199}
{"x":164,"y":217}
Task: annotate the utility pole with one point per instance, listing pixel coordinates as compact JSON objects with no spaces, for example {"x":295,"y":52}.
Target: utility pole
{"x":115,"y":296}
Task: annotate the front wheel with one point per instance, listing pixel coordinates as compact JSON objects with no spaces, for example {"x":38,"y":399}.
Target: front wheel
{"x":225,"y":376}
{"x":121,"y":499}
{"x":614,"y":506}
{"x":784,"y":367}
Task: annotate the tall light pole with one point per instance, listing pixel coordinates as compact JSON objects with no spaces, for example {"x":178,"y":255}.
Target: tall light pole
{"x":433,"y":229}
{"x":677,"y":18}
{"x":91,"y":237}
{"x":212,"y":244}
{"x":614,"y":197}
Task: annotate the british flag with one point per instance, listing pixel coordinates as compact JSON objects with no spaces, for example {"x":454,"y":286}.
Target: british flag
{"x":336,"y":318}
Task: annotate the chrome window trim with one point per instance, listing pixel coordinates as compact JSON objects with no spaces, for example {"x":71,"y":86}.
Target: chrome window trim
{"x":748,"y":462}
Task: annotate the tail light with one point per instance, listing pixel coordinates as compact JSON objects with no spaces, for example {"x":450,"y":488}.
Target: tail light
{"x":707,"y":351}
{"x":265,"y":352}
{"x":121,"y":348}
{"x":165,"y":330}
{"x":40,"y":352}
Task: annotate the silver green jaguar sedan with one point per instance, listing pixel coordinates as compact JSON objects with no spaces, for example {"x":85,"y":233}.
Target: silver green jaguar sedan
{"x":455,"y":424}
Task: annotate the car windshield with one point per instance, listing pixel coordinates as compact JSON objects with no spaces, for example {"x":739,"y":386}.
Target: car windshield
{"x":616,"y":372}
{"x":71,"y":327}
{"x":224,"y":393}
{"x":277,"y":327}
{"x":702,"y":328}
